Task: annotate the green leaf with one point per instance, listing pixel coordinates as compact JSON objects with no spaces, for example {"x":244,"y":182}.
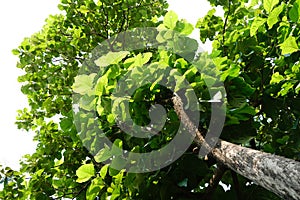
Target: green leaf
{"x":269,"y":4}
{"x":146,"y":57}
{"x":180,"y":82}
{"x":95,"y":187}
{"x":289,"y":46}
{"x":103,"y":154}
{"x":113,"y":72}
{"x":170,"y":20}
{"x":84,"y":84}
{"x":15,"y":52}
{"x":103,"y":171}
{"x":296,"y":68}
{"x":286,"y":87}
{"x":111,"y":118}
{"x":276,"y":78}
{"x":283,"y":140}
{"x":83,"y":9}
{"x":258,"y":22}
{"x":268,"y":148}
{"x":87,"y":102}
{"x":138,"y":60}
{"x":119,"y":108}
{"x":183,"y":183}
{"x":66,"y":124}
{"x":115,"y":194}
{"x":294,"y":13}
{"x":244,"y":109}
{"x":117,"y":148}
{"x":85,"y":172}
{"x":184,"y":27}
{"x":111,"y":58}
{"x":100,"y":108}
{"x":233,"y":71}
{"x":138,"y":94}
{"x":100,"y":87}
{"x":220,"y":62}
{"x":273,"y":17}
{"x":119,"y":177}
{"x":253,"y":3}
{"x":57,"y":183}
{"x":61,"y":7}
{"x":297,"y":89}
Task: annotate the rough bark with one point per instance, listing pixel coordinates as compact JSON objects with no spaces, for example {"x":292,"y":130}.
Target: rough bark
{"x":275,"y":173}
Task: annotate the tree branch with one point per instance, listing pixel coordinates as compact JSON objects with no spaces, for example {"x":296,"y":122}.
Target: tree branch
{"x":214,"y":181}
{"x":275,"y":173}
{"x":199,"y":139}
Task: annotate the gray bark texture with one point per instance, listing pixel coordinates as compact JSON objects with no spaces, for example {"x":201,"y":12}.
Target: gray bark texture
{"x":275,"y":173}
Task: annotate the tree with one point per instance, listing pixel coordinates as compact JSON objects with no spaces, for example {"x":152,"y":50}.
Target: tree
{"x":81,"y":59}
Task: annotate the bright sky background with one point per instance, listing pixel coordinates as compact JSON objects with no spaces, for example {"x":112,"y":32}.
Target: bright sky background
{"x":19,"y":19}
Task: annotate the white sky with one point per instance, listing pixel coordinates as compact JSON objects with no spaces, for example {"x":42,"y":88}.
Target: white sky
{"x":19,"y":19}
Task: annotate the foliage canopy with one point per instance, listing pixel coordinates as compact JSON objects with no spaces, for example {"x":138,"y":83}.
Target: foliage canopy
{"x":255,"y":54}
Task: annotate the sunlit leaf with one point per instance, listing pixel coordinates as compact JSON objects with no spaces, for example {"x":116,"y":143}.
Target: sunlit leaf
{"x":103,"y":171}
{"x":269,"y":4}
{"x":273,"y":17}
{"x":256,"y":24}
{"x":84,"y":84}
{"x":85,"y":173}
{"x":289,"y":46}
{"x":276,"y":78}
{"x":170,"y":19}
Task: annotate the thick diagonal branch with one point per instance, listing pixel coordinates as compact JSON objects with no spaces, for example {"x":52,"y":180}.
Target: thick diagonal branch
{"x":275,"y":173}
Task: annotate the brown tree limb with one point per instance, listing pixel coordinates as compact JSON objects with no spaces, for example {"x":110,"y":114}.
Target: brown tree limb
{"x":275,"y":173}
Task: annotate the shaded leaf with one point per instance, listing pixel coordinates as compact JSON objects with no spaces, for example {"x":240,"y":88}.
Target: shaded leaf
{"x":294,"y":13}
{"x":111,"y":58}
{"x":103,"y":154}
{"x":184,"y":27}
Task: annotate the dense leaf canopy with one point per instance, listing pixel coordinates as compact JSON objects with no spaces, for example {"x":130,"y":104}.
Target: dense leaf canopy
{"x":78,"y":58}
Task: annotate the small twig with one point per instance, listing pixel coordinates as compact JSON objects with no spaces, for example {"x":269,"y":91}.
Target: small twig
{"x":216,"y":178}
{"x":236,"y":184}
{"x":225,"y":23}
{"x":81,"y":190}
{"x":106,"y":20}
